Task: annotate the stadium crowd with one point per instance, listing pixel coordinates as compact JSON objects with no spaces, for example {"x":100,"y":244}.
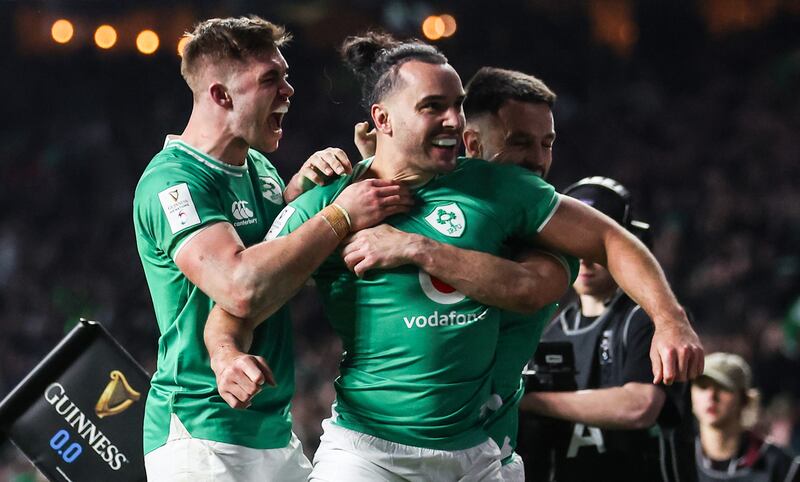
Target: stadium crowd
{"x":703,"y":131}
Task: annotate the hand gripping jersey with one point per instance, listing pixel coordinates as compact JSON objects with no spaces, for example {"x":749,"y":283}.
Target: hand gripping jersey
{"x":181,"y":192}
{"x":419,"y":355}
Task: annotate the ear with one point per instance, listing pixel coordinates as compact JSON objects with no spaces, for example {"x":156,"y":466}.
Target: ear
{"x":472,"y":143}
{"x":380,"y":117}
{"x":219,"y":94}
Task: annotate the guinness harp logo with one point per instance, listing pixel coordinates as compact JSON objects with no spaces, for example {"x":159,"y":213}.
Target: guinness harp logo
{"x":117,"y":396}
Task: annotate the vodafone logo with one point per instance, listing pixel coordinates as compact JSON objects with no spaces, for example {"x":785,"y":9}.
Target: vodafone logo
{"x":438,"y":290}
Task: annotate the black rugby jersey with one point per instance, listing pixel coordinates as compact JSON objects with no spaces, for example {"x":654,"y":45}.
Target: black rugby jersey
{"x":610,"y":351}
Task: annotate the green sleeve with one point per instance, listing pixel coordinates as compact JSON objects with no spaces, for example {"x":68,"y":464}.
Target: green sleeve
{"x":530,"y":201}
{"x":173,"y":203}
{"x":571,"y":265}
{"x":301,"y":210}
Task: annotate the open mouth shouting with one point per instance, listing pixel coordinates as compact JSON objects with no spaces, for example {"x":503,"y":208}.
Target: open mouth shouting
{"x":276,"y":118}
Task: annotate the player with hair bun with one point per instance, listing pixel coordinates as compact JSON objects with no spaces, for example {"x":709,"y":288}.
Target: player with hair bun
{"x":415,"y":384}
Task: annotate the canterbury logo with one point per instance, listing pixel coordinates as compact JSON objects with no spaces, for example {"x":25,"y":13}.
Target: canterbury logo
{"x":117,"y":396}
{"x":241,"y":211}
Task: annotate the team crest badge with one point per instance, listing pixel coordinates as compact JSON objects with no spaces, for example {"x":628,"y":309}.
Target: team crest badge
{"x":448,"y":219}
{"x":271,"y":190}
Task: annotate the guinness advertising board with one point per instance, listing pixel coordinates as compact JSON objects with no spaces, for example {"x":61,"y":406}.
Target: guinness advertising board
{"x":78,"y":415}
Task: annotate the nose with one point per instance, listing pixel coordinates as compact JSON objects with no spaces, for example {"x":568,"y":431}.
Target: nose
{"x":286,"y":89}
{"x":454,"y":119}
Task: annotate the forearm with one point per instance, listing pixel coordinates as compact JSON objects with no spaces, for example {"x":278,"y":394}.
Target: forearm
{"x":270,"y":273}
{"x":293,"y":189}
{"x":632,"y":406}
{"x":297,"y":185}
{"x":523,"y":287}
{"x":248,"y":282}
{"x":580,"y":231}
{"x":638,"y":273}
{"x":226,"y":336}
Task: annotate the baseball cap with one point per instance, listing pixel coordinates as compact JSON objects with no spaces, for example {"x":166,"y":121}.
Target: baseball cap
{"x":729,"y":370}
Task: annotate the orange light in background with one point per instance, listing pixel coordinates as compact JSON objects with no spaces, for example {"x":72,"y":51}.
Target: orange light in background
{"x":147,"y":42}
{"x":182,"y":44}
{"x":614,"y":24}
{"x":62,"y":31}
{"x":449,"y":25}
{"x":105,"y":36}
{"x":433,"y":27}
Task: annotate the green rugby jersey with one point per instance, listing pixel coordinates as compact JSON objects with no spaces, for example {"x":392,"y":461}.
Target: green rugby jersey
{"x":419,"y":355}
{"x":519,"y":336}
{"x":182,"y":191}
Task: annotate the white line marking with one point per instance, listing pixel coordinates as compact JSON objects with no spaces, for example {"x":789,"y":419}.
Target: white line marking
{"x":63,"y":474}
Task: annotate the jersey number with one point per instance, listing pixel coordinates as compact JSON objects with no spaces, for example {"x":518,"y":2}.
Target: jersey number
{"x":582,"y":439}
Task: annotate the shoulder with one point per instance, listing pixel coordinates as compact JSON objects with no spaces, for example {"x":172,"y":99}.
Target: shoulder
{"x":557,"y":324}
{"x":171,"y":166}
{"x":779,"y":454}
{"x":261,"y":162}
{"x":479,"y":168}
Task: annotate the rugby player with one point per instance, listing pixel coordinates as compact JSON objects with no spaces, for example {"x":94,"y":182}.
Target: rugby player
{"x":201,"y":210}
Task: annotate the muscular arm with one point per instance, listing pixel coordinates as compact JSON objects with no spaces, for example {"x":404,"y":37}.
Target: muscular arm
{"x":525,"y":285}
{"x":250,"y":284}
{"x":631,"y":406}
{"x":583,"y":232}
{"x":254,"y":282}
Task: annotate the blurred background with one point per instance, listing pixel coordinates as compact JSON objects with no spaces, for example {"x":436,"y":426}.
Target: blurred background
{"x":692,"y":104}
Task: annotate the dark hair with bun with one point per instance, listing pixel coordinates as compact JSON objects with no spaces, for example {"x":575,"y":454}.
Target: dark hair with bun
{"x":376,"y":57}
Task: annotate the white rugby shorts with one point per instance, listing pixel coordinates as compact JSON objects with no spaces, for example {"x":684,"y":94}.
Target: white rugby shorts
{"x":187,"y":459}
{"x":348,"y":456}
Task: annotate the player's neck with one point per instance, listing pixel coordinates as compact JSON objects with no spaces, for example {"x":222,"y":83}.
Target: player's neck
{"x":592,"y":305}
{"x":210,"y":135}
{"x":721,"y":443}
{"x":391,"y":165}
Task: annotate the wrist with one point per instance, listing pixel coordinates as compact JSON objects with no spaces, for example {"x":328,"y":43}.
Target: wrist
{"x":674,"y":317}
{"x":418,"y":251}
{"x":338,"y":219}
{"x":222,"y":357}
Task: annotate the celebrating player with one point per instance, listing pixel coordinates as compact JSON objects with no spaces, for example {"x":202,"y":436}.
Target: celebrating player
{"x":201,"y":208}
{"x":417,"y":370}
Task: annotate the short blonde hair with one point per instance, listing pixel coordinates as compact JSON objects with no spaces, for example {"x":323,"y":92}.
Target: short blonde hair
{"x":233,"y":38}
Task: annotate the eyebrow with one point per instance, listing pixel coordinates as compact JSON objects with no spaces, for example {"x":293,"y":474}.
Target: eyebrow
{"x":439,"y":98}
{"x":273,"y":71}
{"x":513,"y":134}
